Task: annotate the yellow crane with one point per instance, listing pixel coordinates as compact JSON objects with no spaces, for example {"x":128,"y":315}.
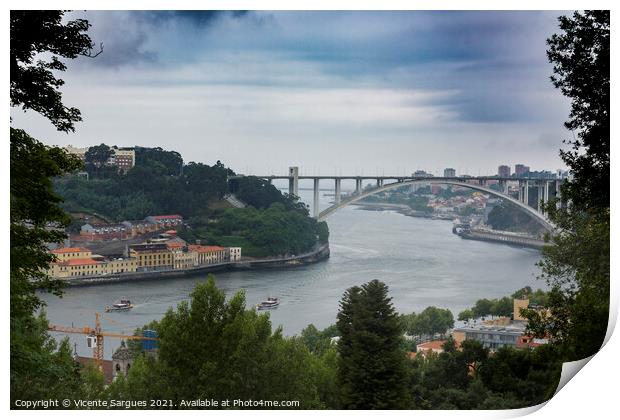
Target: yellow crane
{"x":95,"y":337}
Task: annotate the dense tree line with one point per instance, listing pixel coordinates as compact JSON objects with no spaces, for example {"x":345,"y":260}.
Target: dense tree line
{"x":153,"y":186}
{"x":504,"y":306}
{"x":576,"y":266}
{"x":260,"y":232}
{"x":39,"y":369}
{"x":273,"y":224}
{"x":429,"y":322}
{"x":211,"y":347}
{"x":507,"y":216}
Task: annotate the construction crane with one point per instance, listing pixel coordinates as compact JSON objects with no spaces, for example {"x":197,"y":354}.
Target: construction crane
{"x":95,"y":337}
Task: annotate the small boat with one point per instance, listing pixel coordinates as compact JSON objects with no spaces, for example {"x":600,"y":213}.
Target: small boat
{"x":270,"y":303}
{"x":122,"y":305}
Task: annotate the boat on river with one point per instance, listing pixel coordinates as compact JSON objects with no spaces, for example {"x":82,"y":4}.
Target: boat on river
{"x":122,"y":304}
{"x":270,"y":303}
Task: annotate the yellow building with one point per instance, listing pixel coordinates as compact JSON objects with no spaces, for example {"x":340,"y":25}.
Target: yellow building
{"x":121,"y":265}
{"x":519,"y":304}
{"x":77,"y":267}
{"x":64,"y":254}
{"x":152,"y":256}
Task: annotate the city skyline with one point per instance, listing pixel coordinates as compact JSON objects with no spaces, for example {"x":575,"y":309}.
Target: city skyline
{"x":330,"y":92}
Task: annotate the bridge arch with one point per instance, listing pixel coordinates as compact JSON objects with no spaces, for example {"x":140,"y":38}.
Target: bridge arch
{"x":539,"y":217}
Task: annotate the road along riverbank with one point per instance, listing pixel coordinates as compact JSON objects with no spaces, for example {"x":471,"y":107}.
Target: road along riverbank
{"x":319,"y":253}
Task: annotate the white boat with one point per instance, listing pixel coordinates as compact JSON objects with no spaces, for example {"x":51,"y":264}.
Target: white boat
{"x":123,"y":304}
{"x":270,"y":303}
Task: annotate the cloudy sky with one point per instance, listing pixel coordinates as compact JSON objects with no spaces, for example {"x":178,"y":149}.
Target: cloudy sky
{"x":331,"y":92}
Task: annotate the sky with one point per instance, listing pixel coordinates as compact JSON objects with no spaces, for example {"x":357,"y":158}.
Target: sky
{"x":365,"y":93}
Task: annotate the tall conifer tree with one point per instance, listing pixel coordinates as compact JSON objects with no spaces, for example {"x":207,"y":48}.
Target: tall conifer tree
{"x":372,"y":366}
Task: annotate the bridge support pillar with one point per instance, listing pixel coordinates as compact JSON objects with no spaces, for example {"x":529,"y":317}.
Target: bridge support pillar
{"x":293,"y":180}
{"x":558,"y":195}
{"x":358,"y":186}
{"x":539,"y":189}
{"x":505,"y":187}
{"x":379,"y":183}
{"x":315,"y":202}
{"x":337,"y":191}
{"x":526,"y":193}
{"x":521,"y":191}
{"x":546,"y":194}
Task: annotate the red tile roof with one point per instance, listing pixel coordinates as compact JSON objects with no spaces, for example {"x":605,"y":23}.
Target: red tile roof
{"x":69,"y":250}
{"x":205,"y":248}
{"x":431,"y":345}
{"x":81,"y":261}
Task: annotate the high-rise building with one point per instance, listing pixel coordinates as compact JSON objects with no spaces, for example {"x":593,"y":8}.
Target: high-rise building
{"x":449,"y":173}
{"x":521,"y":169}
{"x":503,"y":171}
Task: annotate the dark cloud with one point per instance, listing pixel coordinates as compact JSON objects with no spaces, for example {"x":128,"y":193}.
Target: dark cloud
{"x":198,"y":18}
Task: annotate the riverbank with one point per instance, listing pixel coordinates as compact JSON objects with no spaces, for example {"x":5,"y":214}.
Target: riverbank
{"x":503,"y":238}
{"x":402,"y":209}
{"x":319,"y":253}
{"x":506,"y":238}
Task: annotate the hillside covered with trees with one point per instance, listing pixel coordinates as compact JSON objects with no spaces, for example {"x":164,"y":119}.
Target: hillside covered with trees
{"x":160,"y":183}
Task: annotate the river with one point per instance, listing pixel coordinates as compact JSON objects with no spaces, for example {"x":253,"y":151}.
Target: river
{"x":420,"y":260}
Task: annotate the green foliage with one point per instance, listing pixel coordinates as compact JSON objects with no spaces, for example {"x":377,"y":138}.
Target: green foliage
{"x":419,"y":203}
{"x":471,"y":378}
{"x":148,"y":188}
{"x":39,"y":368}
{"x":503,"y":306}
{"x":372,"y":366}
{"x":96,"y":162}
{"x":213,"y":348}
{"x":509,"y":217}
{"x":576,"y":266}
{"x":466,"y":315}
{"x":36,"y":217}
{"x":580,"y":58}
{"x":577,"y":270}
{"x":268,"y":232}
{"x":35,"y":36}
{"x":429,"y":322}
{"x":162,"y":162}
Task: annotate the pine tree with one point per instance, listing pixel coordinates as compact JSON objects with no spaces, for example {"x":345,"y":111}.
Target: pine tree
{"x":372,"y":366}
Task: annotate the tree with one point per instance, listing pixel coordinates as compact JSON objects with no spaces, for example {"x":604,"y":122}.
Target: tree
{"x":429,"y":322}
{"x":466,"y":315}
{"x":36,"y":218}
{"x":213,"y":348}
{"x":580,"y":58}
{"x":98,"y":155}
{"x":372,"y":367}
{"x":576,"y":267}
{"x":33,"y":84}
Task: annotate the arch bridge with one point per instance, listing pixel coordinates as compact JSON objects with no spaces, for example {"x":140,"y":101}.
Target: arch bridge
{"x":480,"y":183}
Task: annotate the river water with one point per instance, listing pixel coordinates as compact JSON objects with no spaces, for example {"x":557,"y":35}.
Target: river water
{"x":420,"y":260}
